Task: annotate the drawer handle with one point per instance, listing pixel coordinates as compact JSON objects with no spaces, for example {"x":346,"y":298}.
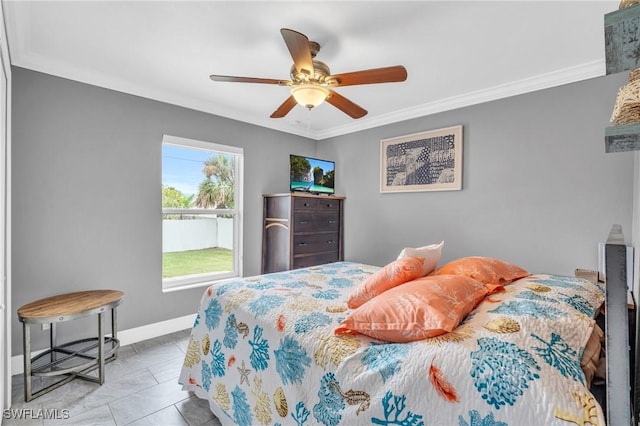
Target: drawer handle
{"x":306,"y":204}
{"x":333,"y":221}
{"x":304,"y":221}
{"x":302,"y":244}
{"x":329,"y":205}
{"x":330,"y":242}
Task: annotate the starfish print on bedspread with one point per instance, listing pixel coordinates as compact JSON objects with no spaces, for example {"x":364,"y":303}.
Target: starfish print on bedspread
{"x":244,"y":373}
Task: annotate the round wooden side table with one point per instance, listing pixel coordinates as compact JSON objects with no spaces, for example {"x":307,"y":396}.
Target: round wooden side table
{"x":73,"y":359}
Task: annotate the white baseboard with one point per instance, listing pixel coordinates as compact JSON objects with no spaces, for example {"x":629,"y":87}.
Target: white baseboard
{"x":150,"y":331}
{"x":128,"y":337}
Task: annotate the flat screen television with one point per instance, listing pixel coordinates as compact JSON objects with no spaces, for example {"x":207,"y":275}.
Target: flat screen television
{"x":307,"y":174}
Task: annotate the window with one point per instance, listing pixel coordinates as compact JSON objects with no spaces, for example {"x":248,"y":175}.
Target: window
{"x":201,"y":212}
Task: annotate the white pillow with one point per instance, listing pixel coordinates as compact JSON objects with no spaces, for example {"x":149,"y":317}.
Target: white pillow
{"x":431,"y":254}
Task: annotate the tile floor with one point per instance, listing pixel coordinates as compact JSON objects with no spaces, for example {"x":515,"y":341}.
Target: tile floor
{"x":141,"y":388}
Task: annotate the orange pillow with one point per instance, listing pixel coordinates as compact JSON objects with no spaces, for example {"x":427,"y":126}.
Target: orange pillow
{"x":492,"y":272}
{"x":395,"y":273}
{"x":425,"y":307}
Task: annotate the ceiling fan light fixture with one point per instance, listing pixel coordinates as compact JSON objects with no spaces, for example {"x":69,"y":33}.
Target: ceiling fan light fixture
{"x":309,"y":95}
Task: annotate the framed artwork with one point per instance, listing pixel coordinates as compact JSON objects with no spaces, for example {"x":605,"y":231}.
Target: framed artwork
{"x":426,"y":161}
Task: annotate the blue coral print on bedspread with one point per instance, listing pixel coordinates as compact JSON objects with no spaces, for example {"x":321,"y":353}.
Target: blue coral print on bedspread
{"x":496,"y":360}
{"x":560,"y":355}
{"x":263,"y":351}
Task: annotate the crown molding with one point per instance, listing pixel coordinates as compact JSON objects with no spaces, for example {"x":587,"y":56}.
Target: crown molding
{"x":531,"y":84}
{"x":539,"y":82}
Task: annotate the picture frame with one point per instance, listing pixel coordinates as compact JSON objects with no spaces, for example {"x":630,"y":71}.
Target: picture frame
{"x":425,"y":161}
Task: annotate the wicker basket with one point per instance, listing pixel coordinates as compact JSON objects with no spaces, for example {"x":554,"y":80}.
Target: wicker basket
{"x":627,"y":3}
{"x":629,"y":114}
{"x":627,"y":108}
{"x":634,"y":74}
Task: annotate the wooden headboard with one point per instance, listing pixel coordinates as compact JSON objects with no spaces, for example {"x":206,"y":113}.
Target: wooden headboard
{"x":622,"y":406}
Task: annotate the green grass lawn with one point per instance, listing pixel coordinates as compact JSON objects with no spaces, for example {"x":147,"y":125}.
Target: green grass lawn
{"x":190,"y":262}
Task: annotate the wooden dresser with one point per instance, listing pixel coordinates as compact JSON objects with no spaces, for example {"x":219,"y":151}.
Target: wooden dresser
{"x":301,"y":230}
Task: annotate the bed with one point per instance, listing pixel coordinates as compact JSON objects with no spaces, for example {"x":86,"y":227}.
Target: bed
{"x":264,"y":350}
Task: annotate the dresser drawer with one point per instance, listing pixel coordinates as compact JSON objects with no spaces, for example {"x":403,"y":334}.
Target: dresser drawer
{"x":314,"y":259}
{"x":317,"y":204}
{"x":305,"y":204}
{"x":314,"y":222}
{"x":315,"y":243}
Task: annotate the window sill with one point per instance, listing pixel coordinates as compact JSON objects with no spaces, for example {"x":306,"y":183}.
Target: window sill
{"x":191,"y":285}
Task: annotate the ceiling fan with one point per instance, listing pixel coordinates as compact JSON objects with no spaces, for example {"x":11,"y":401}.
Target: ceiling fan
{"x":311,"y":80}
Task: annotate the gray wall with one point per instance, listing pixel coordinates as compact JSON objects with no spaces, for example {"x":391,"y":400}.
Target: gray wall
{"x":86,"y":194}
{"x":538,"y":189}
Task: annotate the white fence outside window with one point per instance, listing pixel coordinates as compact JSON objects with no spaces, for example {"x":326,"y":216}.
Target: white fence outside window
{"x":183,"y":235}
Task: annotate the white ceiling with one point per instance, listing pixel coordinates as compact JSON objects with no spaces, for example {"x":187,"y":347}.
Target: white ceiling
{"x":456,"y":53}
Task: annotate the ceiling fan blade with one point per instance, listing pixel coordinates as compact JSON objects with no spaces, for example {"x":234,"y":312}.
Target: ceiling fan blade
{"x":345,"y":105}
{"x":372,"y":76}
{"x":298,"y":45}
{"x":232,"y":79}
{"x":284,"y":108}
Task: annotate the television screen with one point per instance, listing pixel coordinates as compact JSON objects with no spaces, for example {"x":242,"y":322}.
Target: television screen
{"x":311,"y":175}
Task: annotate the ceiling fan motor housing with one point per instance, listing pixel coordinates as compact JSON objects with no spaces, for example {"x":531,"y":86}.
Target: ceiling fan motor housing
{"x":321,"y":74}
{"x":321,"y":71}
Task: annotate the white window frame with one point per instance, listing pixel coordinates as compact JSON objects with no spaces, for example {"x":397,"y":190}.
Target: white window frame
{"x":201,"y":280}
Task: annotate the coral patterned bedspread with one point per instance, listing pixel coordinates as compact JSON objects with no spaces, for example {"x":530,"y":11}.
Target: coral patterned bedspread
{"x":263,"y":351}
